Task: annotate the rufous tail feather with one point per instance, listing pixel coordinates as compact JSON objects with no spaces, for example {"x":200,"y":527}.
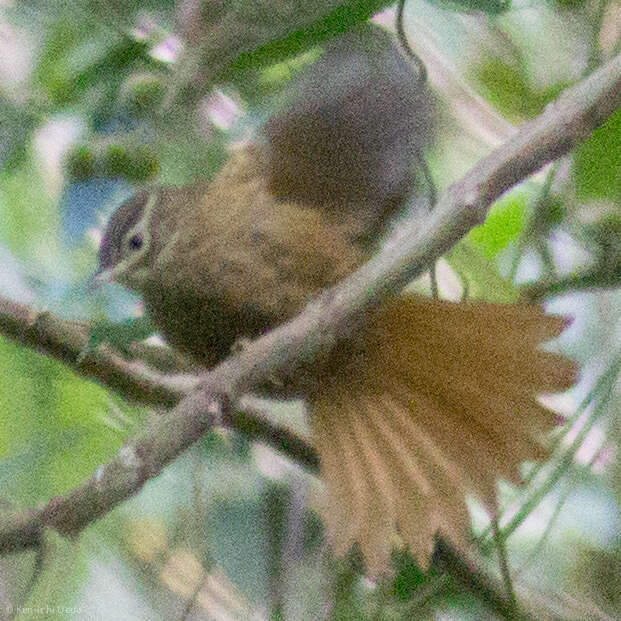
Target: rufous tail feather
{"x":437,"y":402}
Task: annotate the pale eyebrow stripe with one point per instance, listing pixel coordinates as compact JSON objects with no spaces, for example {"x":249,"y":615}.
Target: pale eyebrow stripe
{"x":143,"y":225}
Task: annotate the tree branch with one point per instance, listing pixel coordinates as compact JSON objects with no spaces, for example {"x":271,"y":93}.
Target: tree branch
{"x":65,"y":341}
{"x":418,"y":243}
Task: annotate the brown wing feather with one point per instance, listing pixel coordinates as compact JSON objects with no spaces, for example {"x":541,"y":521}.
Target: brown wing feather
{"x":439,"y":403}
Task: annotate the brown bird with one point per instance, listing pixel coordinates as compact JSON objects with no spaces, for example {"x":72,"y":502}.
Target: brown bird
{"x":428,"y":400}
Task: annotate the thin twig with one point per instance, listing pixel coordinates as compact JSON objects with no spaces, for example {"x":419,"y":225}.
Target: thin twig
{"x":405,"y":44}
{"x":533,"y":227}
{"x":552,"y":520}
{"x":37,"y":572}
{"x":191,"y":601}
{"x":503,"y":563}
{"x":562,"y":463}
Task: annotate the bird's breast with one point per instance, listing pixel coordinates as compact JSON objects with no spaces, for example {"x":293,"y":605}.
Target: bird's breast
{"x":243,"y":262}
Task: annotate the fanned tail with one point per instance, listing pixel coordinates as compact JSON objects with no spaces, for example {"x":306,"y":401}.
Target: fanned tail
{"x":437,"y":401}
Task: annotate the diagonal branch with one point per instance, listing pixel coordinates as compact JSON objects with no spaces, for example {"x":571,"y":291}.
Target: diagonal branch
{"x":65,"y":341}
{"x":462,"y":206}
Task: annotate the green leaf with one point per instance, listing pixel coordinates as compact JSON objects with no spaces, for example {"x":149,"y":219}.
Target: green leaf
{"x":18,"y":125}
{"x":51,"y":432}
{"x":509,"y":88}
{"x":54,"y":593}
{"x":80,"y":163}
{"x":503,"y":225}
{"x":143,"y":92}
{"x":27,"y":212}
{"x":338,"y":21}
{"x":17,"y":394}
{"x":118,"y":334}
{"x":136,"y":163}
{"x":597,"y":163}
{"x":408,"y":576}
{"x":491,"y":7}
{"x":75,"y":60}
{"x":185,"y":156}
{"x":483,"y":279}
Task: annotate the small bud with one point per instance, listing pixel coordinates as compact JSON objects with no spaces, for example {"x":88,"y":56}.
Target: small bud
{"x":144,"y":165}
{"x":115,"y":161}
{"x":569,"y":4}
{"x":80,"y":163}
{"x":135,"y":164}
{"x":142,"y":93}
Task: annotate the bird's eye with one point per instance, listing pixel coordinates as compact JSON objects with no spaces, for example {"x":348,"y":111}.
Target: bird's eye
{"x":135,"y":242}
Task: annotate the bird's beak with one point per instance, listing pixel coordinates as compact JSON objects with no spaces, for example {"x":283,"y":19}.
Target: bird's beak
{"x":98,"y":278}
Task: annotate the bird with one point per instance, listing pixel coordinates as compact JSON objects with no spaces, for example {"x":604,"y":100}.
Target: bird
{"x":427,"y":401}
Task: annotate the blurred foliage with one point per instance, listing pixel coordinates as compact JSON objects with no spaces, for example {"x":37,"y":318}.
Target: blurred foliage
{"x":61,"y":571}
{"x":503,"y":225}
{"x":108,"y":101}
{"x":597,"y":163}
{"x":119,"y":334}
{"x":508,"y":88}
{"x":490,"y":7}
{"x":15,"y":131}
{"x":336,"y":22}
